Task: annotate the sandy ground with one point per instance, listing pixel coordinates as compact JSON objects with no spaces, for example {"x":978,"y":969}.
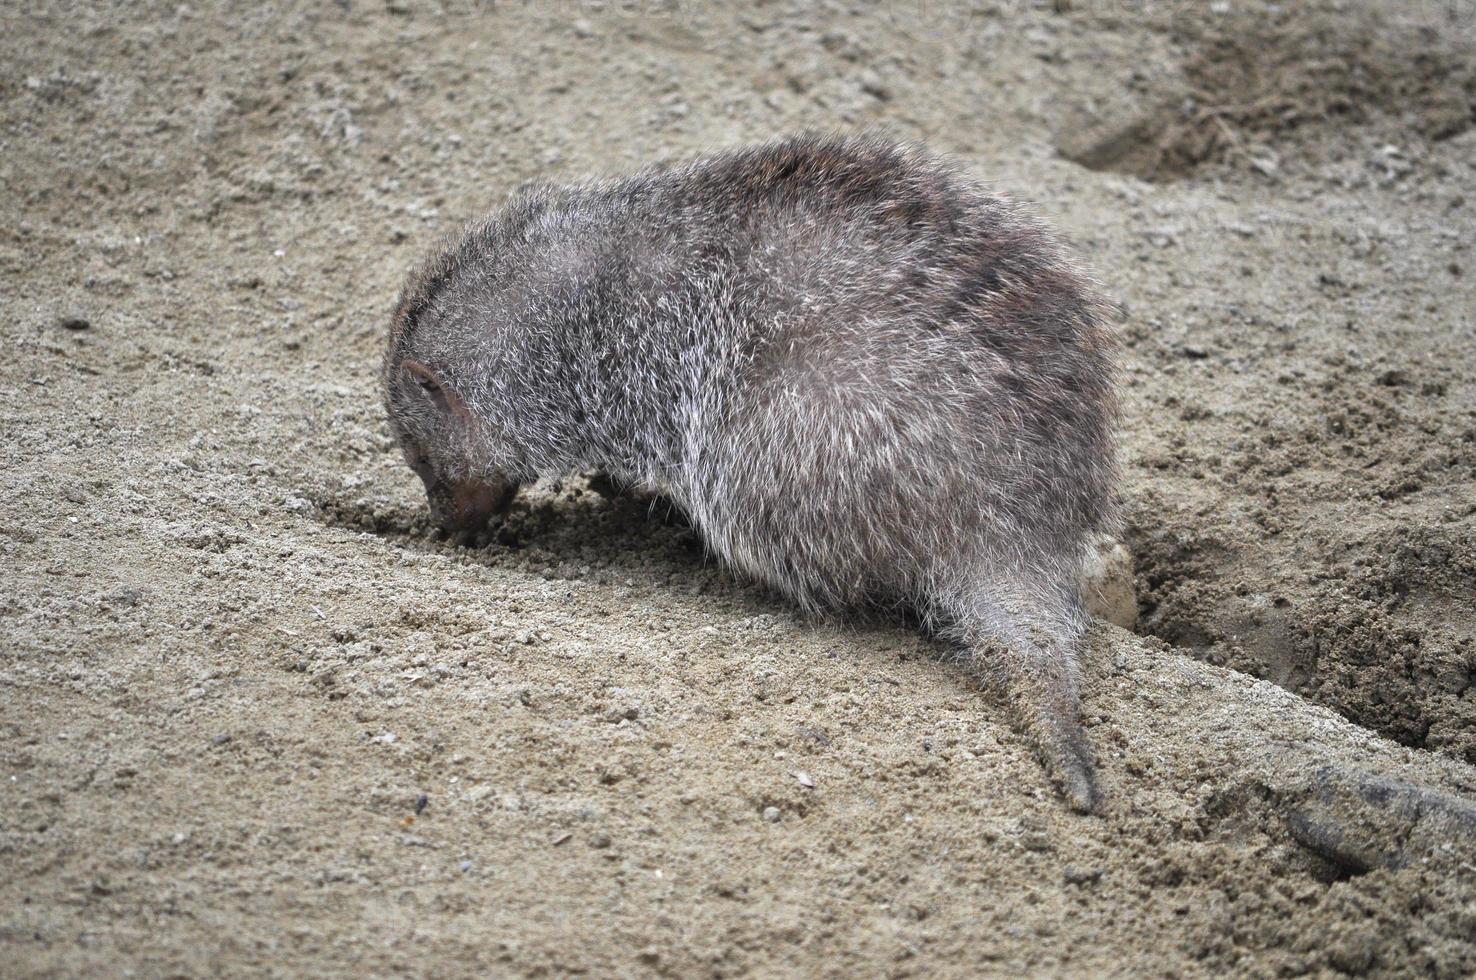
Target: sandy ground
{"x":254,"y":718}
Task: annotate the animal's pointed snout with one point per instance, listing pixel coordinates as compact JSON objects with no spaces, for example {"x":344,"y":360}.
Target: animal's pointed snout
{"x":463,"y":508}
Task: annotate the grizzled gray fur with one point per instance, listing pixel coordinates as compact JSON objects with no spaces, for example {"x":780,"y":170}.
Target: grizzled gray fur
{"x":867,"y":380}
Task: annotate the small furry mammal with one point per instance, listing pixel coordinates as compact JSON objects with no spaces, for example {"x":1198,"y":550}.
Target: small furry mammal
{"x":868,"y":381}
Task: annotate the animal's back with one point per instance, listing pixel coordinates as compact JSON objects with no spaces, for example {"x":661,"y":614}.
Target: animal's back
{"x":916,"y":379}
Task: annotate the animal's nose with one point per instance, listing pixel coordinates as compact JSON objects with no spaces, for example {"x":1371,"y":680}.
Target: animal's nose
{"x":464,"y":507}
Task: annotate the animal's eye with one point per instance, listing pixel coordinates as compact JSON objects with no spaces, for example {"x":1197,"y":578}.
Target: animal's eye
{"x":414,"y":458}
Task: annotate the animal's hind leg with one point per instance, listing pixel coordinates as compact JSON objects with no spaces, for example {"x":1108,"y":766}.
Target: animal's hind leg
{"x":1031,"y":654}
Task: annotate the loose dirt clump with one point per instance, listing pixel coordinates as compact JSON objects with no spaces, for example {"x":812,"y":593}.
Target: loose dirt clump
{"x":1373,"y":639}
{"x":1253,"y":87}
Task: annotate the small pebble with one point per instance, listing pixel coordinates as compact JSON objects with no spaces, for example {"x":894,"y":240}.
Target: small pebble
{"x":771,"y":814}
{"x":421,"y":802}
{"x":872,"y":84}
{"x":75,"y":323}
{"x":1037,"y":841}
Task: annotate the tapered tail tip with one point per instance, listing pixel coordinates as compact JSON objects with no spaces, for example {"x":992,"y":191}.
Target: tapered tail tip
{"x":1079,"y":786}
{"x":1069,"y":763}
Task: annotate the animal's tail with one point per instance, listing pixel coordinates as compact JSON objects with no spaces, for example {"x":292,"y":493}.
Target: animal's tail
{"x":1025,"y":642}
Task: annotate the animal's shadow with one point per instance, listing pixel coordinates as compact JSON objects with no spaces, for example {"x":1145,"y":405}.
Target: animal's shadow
{"x":571,"y":530}
{"x":563,"y":528}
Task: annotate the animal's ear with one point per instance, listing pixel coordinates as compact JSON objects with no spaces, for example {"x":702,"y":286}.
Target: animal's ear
{"x":446,"y":399}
